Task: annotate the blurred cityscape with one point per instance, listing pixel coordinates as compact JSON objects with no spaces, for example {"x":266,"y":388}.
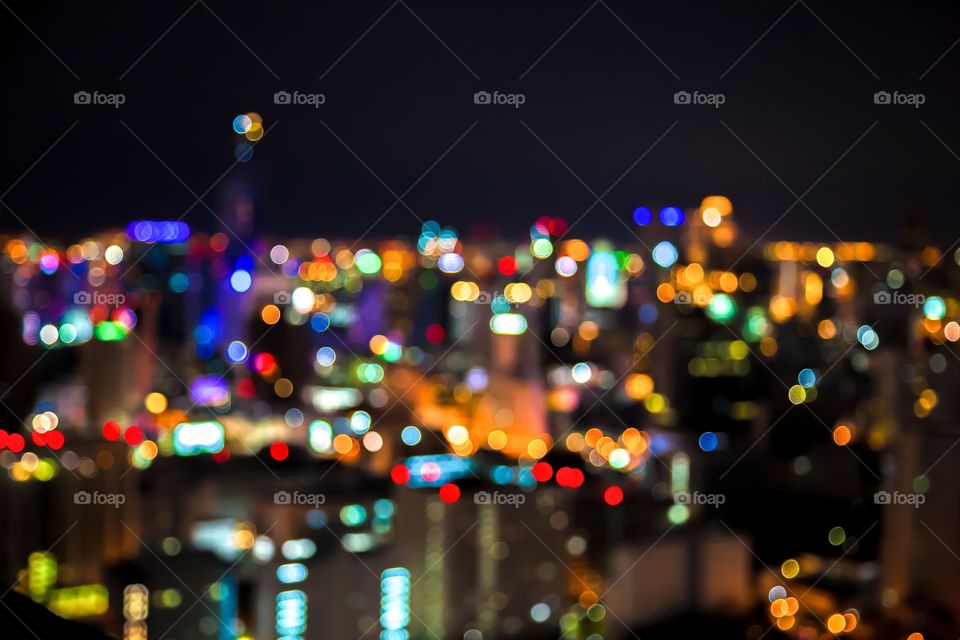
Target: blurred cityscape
{"x":678,"y":431}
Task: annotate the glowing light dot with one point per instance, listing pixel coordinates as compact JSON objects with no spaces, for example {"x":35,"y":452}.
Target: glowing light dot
{"x":613,"y":495}
{"x":934,"y":308}
{"x":790,"y":568}
{"x":836,"y":623}
{"x":410,"y":435}
{"x":449,"y":493}
{"x":837,"y":536}
{"x":542,"y":471}
{"x":642,"y":216}
{"x":270,"y":314}
{"x":326,"y":356}
{"x":458,"y":435}
{"x":400,"y":474}
{"x":373,"y":442}
{"x":665,"y":254}
{"x":113,"y":254}
{"x":240,"y":281}
{"x":797,"y":394}
{"x":842,"y":435}
{"x":279,"y":451}
{"x":711,"y":217}
{"x":237,"y":352}
{"x":155,"y":402}
{"x":242,"y":123}
{"x":430,"y":471}
{"x":619,"y":458}
{"x":581,"y":372}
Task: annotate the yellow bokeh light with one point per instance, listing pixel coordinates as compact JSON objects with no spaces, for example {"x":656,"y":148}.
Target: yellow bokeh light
{"x":379,"y":344}
{"x":711,"y":217}
{"x":283,"y":388}
{"x":149,"y":449}
{"x":638,"y":386}
{"x":825,"y":257}
{"x":836,"y":623}
{"x":497,"y":439}
{"x":537,"y":448}
{"x":790,"y":568}
{"x":155,"y":402}
{"x":343,"y":443}
{"x":574,"y":442}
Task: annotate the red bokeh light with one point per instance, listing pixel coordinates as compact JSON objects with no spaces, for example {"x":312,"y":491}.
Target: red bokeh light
{"x":449,"y":493}
{"x":264,"y":362}
{"x":54,"y":440}
{"x":39,"y":439}
{"x":542,"y":224}
{"x":569,"y":477}
{"x":15,"y":442}
{"x":435,"y":334}
{"x":245,"y":389}
{"x":111,"y":431}
{"x":133,"y":435}
{"x":3,"y":439}
{"x":400,"y":474}
{"x":558,"y":227}
{"x":507,"y":265}
{"x":221,"y":456}
{"x":542,"y":471}
{"x":613,"y":495}
{"x":279,"y":451}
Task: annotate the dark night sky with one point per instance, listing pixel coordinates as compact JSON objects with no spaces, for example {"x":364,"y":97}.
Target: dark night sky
{"x":399,"y":99}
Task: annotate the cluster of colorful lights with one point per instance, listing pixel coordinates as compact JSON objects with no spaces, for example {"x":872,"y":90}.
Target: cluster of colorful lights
{"x":318,"y":285}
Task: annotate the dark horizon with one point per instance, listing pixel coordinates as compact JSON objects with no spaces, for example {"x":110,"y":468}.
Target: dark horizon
{"x":796,"y":102}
